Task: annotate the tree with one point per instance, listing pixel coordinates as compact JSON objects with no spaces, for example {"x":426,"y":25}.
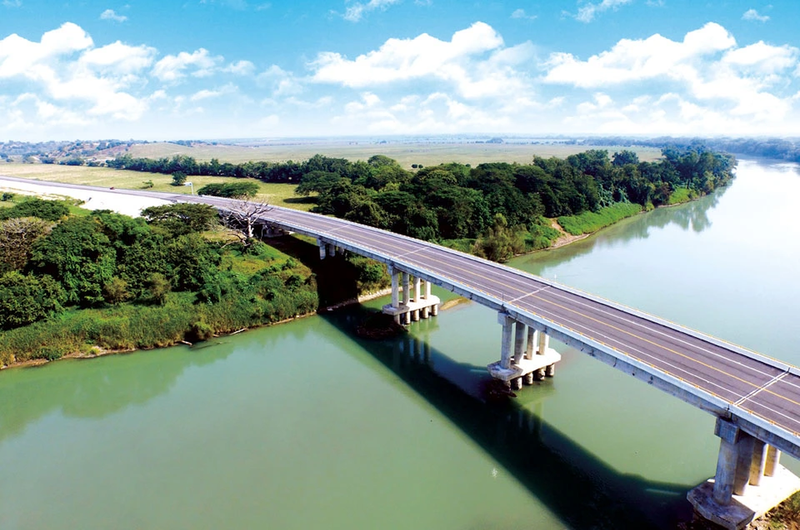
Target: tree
{"x":181,"y":218}
{"x":244,"y":217}
{"x":80,"y":256}
{"x":159,"y":287}
{"x":178,"y":178}
{"x":234,"y":190}
{"x":16,"y":240}
{"x":116,"y":291}
{"x":25,"y":299}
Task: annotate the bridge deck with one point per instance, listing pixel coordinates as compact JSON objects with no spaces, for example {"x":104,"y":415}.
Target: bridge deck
{"x":761,"y":394}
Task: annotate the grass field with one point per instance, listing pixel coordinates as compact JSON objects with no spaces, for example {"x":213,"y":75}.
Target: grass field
{"x":427,"y":154}
{"x":277,"y":194}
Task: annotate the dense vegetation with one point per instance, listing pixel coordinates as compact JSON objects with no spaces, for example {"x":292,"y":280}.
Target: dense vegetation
{"x":72,"y":282}
{"x":494,"y":209}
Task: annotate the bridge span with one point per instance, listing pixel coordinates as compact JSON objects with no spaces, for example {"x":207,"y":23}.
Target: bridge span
{"x":756,"y":399}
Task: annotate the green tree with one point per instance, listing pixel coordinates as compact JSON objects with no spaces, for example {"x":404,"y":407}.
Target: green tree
{"x":25,"y":299}
{"x":182,"y":218}
{"x":80,"y":256}
{"x":116,"y":291}
{"x":178,"y":178}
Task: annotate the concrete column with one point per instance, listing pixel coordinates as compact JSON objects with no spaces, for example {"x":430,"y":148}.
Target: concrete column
{"x":331,"y":250}
{"x":341,"y":251}
{"x":519,"y":341}
{"x":528,"y":378}
{"x":743,"y":462}
{"x":529,"y":344}
{"x":544,"y":342}
{"x":406,"y":288}
{"x":550,"y":370}
{"x":427,"y":290}
{"x":415,"y":315}
{"x":772,"y":461}
{"x":424,"y":312}
{"x":505,"y":344}
{"x":395,"y":288}
{"x":726,"y":470}
{"x":322,"y":247}
{"x":435,"y":309}
{"x":757,"y":462}
{"x":733,"y":463}
{"x":417,"y":291}
{"x":516,"y":383}
{"x":407,"y":318}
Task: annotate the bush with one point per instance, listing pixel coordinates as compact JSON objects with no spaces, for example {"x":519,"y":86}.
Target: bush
{"x":35,"y":207}
{"x":178,"y":178}
{"x":24,"y":299}
{"x":7,"y":196}
{"x":233,"y":190}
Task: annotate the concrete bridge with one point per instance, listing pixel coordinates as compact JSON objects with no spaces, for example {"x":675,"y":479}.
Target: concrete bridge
{"x":756,"y":399}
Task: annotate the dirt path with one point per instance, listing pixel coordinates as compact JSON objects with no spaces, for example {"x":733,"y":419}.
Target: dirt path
{"x":566,"y":238}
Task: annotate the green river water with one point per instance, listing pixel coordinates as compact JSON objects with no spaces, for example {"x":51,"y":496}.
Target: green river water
{"x":304,"y":426}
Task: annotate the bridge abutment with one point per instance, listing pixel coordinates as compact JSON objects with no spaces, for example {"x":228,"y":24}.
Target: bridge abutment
{"x":749,"y":480}
{"x":526,"y":357}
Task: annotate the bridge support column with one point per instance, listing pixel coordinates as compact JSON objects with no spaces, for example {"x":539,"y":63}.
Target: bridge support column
{"x":505,"y":344}
{"x":518,"y":364}
{"x":322,"y":249}
{"x":742,"y":460}
{"x":406,"y":297}
{"x":395,"y":276}
{"x":773,"y":459}
{"x":417,"y":298}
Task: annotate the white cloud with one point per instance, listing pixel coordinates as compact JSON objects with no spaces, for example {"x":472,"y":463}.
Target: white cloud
{"x":110,"y":14}
{"x":240,"y":68}
{"x":172,"y":67}
{"x":119,"y":57}
{"x":588,"y":12}
{"x":12,"y":3}
{"x":520,"y":13}
{"x":208,"y":94}
{"x":706,"y":75}
{"x":474,"y":61}
{"x":356,"y":11}
{"x":752,"y":14}
{"x":281,"y":82}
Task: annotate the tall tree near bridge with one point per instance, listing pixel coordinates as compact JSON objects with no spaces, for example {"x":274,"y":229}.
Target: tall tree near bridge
{"x":244,"y":218}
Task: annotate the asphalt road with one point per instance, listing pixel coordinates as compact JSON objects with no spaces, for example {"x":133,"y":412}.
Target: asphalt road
{"x":746,"y":381}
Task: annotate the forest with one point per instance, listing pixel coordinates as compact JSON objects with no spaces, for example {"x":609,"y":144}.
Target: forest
{"x":493,"y":209}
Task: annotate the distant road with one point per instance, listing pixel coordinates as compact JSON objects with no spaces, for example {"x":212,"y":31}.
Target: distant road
{"x":761,"y":394}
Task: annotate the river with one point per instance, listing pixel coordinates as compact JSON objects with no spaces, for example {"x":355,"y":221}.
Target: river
{"x":302,"y":425}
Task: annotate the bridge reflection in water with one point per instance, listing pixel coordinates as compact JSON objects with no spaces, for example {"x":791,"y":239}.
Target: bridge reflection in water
{"x":578,"y":487}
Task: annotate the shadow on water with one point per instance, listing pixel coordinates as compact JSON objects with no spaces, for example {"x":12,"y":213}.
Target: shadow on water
{"x":579,"y":488}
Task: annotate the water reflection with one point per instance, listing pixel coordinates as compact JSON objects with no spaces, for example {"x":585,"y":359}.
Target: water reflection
{"x":691,"y":216}
{"x":579,"y":488}
{"x":90,"y":389}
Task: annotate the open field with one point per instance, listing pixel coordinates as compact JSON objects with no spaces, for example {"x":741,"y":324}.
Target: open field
{"x":427,"y":154}
{"x":277,"y":194}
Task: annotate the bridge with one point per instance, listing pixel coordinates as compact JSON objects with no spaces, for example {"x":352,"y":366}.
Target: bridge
{"x":755,"y":399}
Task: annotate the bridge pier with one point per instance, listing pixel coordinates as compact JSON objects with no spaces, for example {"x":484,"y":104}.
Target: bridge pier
{"x":518,"y":364}
{"x":420,"y":305}
{"x":748,"y":483}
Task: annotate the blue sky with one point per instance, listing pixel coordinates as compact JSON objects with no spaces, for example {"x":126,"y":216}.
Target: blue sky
{"x":203,"y":69}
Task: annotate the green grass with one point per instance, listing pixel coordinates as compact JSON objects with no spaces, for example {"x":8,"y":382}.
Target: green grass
{"x":276,"y":194}
{"x":681,"y":195}
{"x":589,"y":222}
{"x":406,"y":153}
